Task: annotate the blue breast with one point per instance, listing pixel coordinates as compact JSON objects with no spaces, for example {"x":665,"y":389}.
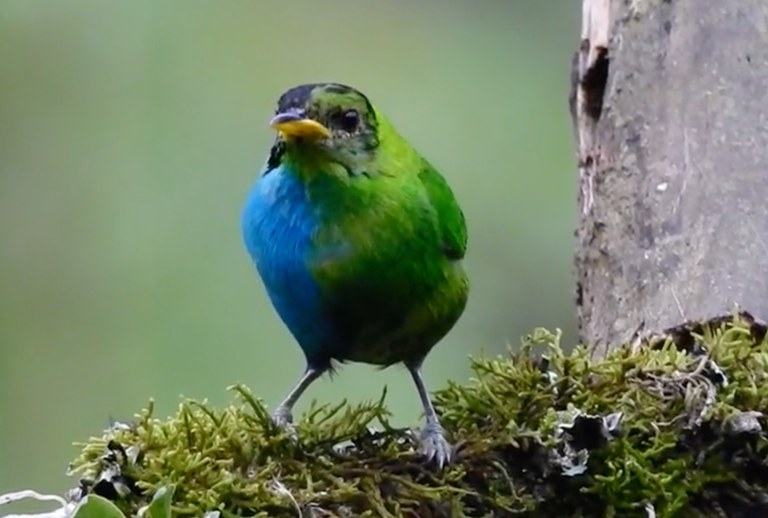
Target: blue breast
{"x":278,"y":223}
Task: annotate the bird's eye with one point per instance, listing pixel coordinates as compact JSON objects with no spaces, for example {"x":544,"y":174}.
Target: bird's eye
{"x":348,"y":120}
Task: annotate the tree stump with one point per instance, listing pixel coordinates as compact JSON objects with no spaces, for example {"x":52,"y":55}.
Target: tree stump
{"x":670,"y":110}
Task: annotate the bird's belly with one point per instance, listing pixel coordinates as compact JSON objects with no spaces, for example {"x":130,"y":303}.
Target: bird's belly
{"x":364,"y":294}
{"x":422,"y":326}
{"x":393,"y":310}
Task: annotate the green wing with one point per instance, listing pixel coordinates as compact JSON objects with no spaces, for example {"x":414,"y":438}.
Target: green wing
{"x":450,"y":218}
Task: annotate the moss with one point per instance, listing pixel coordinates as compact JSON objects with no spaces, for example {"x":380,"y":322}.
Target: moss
{"x":671,"y":424}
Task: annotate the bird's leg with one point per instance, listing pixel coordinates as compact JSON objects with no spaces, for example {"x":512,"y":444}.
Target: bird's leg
{"x":282,"y":416}
{"x":433,"y":442}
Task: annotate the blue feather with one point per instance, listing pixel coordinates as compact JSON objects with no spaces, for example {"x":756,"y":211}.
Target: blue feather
{"x":278,"y":224}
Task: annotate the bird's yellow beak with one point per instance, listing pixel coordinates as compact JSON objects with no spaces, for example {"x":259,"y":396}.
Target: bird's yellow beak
{"x":295,"y":125}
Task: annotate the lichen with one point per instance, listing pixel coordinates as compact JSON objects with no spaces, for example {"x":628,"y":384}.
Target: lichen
{"x":671,"y":424}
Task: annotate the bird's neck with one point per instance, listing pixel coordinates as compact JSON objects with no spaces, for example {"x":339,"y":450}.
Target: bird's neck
{"x":307,"y":163}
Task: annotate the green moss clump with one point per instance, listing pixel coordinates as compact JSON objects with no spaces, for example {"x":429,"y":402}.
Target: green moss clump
{"x":672,"y":424}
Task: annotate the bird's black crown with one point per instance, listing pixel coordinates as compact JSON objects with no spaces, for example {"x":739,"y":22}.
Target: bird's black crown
{"x":299,"y":96}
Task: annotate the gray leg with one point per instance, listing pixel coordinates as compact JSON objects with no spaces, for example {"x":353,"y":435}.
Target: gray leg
{"x":283,"y":413}
{"x":433,"y":442}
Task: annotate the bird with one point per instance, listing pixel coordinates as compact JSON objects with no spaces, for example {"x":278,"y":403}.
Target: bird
{"x":358,"y":241}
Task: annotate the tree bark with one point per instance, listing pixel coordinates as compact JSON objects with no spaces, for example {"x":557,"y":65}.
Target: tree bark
{"x":670,"y":110}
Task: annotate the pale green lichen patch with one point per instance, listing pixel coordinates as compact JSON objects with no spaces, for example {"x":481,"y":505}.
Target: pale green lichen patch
{"x":672,"y":424}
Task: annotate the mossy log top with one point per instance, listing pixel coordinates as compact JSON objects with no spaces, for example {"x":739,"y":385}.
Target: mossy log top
{"x":671,"y":425}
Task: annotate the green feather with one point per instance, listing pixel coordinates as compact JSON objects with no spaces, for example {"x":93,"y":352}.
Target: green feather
{"x":450,"y":218}
{"x":388,"y":248}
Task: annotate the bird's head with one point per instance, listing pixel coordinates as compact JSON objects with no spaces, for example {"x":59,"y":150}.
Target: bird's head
{"x":327,"y":120}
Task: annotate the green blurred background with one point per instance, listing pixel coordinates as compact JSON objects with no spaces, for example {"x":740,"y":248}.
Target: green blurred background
{"x":130,"y":133}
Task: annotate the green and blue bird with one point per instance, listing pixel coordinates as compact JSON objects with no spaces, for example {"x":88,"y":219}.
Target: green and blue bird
{"x":358,"y":240}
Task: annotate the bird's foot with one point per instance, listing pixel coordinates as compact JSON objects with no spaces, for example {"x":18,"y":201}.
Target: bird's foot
{"x":435,"y":446}
{"x":283,"y":420}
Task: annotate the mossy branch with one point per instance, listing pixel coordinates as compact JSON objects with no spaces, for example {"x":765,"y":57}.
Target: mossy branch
{"x":671,"y":425}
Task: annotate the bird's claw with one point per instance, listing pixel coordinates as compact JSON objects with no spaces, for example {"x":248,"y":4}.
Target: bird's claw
{"x":434,"y":445}
{"x":283,"y":420}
